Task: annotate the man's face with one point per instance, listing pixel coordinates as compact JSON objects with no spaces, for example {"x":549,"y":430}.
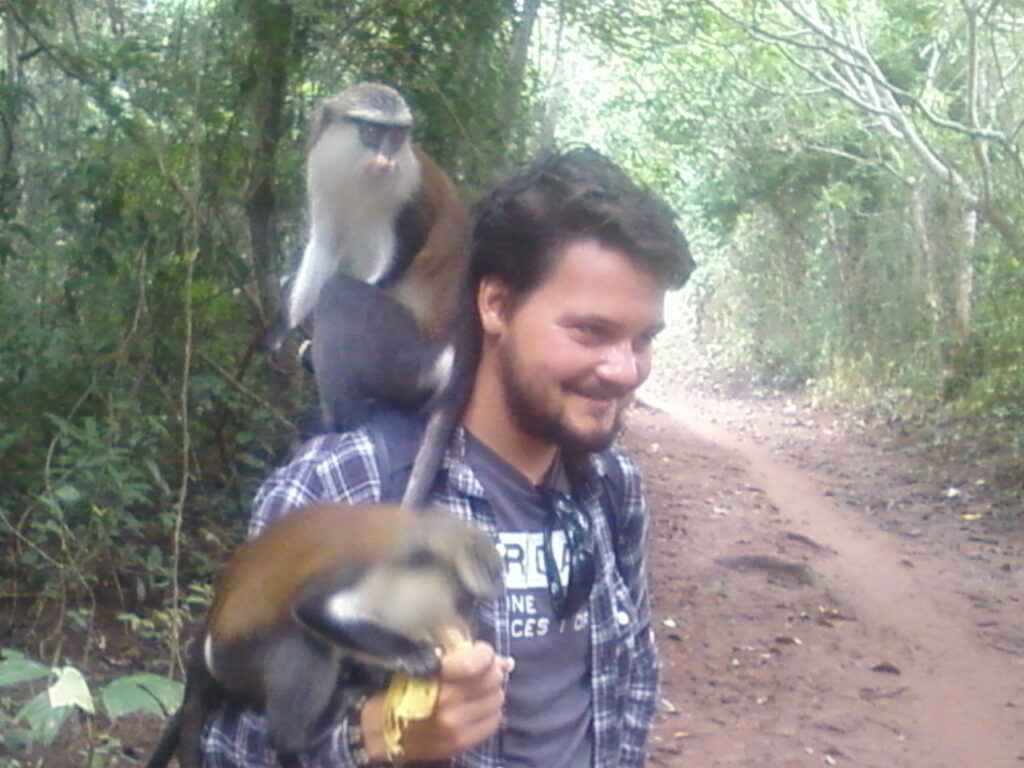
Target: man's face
{"x":572,"y":351}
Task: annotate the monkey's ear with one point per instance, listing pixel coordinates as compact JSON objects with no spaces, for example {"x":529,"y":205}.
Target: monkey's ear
{"x":479,"y":566}
{"x":338,"y":617}
{"x":468,"y":549}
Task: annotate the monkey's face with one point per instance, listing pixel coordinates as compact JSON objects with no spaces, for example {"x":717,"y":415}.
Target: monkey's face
{"x":569,"y":355}
{"x":414,"y":600}
{"x":428,"y":585}
{"x":395,"y":610}
{"x":383,"y":143}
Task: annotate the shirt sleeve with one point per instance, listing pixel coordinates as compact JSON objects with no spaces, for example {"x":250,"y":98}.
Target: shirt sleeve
{"x":645,"y":670}
{"x":336,"y":467}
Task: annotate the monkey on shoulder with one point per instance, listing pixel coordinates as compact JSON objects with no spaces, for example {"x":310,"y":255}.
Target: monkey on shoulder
{"x":328,"y":582}
{"x":386,"y":261}
{"x":384,"y":274}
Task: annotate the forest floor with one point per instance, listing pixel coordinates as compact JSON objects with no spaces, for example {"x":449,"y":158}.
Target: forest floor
{"x":825,"y":591}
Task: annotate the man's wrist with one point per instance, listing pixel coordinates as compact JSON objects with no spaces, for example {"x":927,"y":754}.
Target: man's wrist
{"x":371,"y":728}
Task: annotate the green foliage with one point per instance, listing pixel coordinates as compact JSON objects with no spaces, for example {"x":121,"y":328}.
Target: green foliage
{"x":140,"y":253}
{"x":92,"y":518}
{"x":142,"y":693}
{"x":37,"y":718}
{"x":16,"y":668}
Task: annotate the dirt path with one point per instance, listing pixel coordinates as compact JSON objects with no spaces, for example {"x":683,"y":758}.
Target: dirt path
{"x":822,"y":601}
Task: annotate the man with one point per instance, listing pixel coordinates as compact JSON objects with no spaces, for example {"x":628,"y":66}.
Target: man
{"x":571,"y":263}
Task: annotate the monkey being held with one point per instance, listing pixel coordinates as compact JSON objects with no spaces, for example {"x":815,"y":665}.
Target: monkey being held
{"x":382,"y":213}
{"x":377,"y":583}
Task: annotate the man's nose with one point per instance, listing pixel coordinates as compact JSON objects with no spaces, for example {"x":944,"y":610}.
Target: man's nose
{"x":621,"y":365}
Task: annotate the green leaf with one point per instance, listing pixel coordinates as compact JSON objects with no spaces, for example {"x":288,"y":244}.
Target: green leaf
{"x":142,"y":693}
{"x":15,"y":668}
{"x":71,"y":690}
{"x":44,"y":720}
{"x":157,"y":475}
{"x":68,"y":494}
{"x":15,"y":740}
{"x":11,"y":438}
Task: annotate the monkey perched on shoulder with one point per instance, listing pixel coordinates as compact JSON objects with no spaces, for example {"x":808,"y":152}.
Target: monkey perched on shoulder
{"x":376,"y":583}
{"x":384,"y":274}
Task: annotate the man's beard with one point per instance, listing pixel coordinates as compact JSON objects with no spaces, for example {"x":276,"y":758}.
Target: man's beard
{"x":537,"y":419}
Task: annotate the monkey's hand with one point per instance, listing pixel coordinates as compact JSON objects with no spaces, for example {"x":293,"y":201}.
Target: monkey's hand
{"x":467,"y":709}
{"x":414,"y":698}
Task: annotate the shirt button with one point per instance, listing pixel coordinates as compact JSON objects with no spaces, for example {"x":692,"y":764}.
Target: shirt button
{"x":622,"y":617}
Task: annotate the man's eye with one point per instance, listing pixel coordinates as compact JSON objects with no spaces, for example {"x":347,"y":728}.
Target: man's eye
{"x":644,"y":341}
{"x":642,"y":346}
{"x":589,"y":334}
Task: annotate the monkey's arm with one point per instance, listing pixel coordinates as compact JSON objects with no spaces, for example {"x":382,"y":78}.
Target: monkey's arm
{"x":319,"y":261}
{"x":301,"y":685}
{"x":235,"y":736}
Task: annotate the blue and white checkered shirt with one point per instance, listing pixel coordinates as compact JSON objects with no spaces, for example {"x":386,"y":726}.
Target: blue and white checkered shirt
{"x":625,"y":665}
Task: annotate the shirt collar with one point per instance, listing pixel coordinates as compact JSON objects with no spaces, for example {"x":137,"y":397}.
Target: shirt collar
{"x":587,"y":472}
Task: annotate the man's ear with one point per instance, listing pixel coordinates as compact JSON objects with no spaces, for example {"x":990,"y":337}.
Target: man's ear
{"x":494,"y":303}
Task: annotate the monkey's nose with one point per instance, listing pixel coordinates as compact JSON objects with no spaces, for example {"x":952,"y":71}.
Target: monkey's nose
{"x":380,"y":165}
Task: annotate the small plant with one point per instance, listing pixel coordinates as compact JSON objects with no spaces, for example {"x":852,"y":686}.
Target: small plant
{"x":38,"y":720}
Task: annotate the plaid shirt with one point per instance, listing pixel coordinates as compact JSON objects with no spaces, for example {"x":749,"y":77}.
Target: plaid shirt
{"x":625,"y":665}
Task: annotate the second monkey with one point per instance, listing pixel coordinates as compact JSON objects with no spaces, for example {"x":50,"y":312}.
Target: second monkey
{"x":384,"y":274}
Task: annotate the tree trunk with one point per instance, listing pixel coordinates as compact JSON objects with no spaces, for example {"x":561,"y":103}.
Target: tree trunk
{"x":272,"y":27}
{"x":928,"y":257}
{"x":963,"y":271}
{"x":512,"y":97}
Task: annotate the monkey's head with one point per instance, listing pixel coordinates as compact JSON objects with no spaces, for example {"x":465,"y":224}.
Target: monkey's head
{"x":395,"y":608}
{"x":379,"y":118}
{"x":375,"y":581}
{"x":372,"y":582}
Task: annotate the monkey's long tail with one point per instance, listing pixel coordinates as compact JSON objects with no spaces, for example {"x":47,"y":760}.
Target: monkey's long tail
{"x":168,"y":744}
{"x":447,"y":408}
{"x":430,"y":453}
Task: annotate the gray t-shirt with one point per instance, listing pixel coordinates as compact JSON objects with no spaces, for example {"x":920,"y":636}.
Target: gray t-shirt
{"x":548,"y":700}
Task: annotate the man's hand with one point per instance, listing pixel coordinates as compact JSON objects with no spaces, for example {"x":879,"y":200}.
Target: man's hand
{"x":468,"y":707}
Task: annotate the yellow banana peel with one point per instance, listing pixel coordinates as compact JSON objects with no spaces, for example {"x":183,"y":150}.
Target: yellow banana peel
{"x":413,"y":698}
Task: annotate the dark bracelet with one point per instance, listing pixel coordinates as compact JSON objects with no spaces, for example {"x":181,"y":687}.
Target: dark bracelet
{"x":354,"y":735}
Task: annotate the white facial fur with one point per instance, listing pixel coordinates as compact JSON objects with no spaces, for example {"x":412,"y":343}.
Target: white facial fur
{"x":352,"y":213}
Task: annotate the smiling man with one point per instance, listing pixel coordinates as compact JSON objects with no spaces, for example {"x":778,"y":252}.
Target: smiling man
{"x":571,"y":263}
{"x":561,"y":364}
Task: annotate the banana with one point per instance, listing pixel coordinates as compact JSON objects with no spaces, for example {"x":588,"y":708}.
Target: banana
{"x":413,"y":698}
